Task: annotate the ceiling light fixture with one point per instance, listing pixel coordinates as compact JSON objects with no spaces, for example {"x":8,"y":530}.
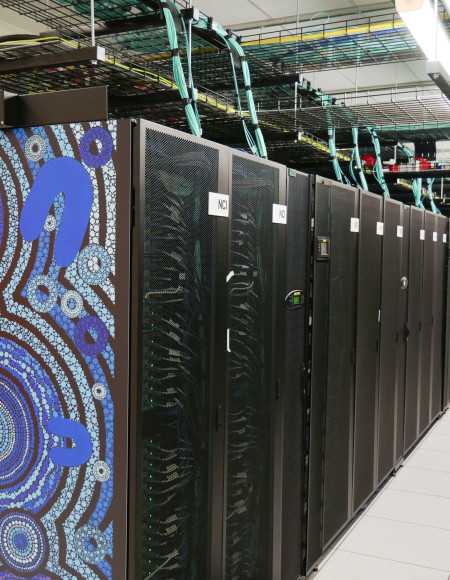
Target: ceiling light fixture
{"x":427,"y":28}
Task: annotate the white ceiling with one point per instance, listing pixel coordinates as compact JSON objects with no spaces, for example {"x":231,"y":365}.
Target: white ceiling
{"x":13,"y":23}
{"x":240,"y":11}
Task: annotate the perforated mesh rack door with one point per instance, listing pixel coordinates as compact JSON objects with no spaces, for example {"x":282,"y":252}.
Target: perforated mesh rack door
{"x":391,"y":290}
{"x":412,"y":387}
{"x":438,"y":311}
{"x":402,"y":343}
{"x":338,"y":454}
{"x":367,"y":348}
{"x":178,"y":326}
{"x":255,"y":187}
{"x":333,"y":341}
{"x":426,"y":323}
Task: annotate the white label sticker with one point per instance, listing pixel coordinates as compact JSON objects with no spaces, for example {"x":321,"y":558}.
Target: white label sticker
{"x":219,"y":204}
{"x":422,"y":234}
{"x":380,"y":229}
{"x":354,"y":225}
{"x":435,"y":236}
{"x":444,"y":238}
{"x":399,"y":231}
{"x":279,"y":215}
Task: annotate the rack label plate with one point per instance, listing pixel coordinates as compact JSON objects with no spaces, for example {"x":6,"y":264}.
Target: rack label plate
{"x":354,"y":225}
{"x":399,"y":231}
{"x":279,"y":215}
{"x":219,"y":204}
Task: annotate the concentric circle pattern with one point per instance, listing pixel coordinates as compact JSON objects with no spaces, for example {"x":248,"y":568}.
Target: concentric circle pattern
{"x":104,"y":143}
{"x":50,"y":223}
{"x":17,"y":440}
{"x":94,"y":264}
{"x":90,"y":544}
{"x":28,"y":399}
{"x":49,"y":301}
{"x":101,"y":471}
{"x":92,"y":325}
{"x":71,"y":304}
{"x":23,"y":542}
{"x":35,"y":148}
{"x":99,"y":391}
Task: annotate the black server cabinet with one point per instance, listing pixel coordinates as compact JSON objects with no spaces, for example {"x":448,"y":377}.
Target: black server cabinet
{"x":367,"y":347}
{"x":403,"y":336}
{"x":209,"y":251}
{"x":296,"y":378}
{"x":391,"y":330}
{"x":180,"y":345}
{"x":255,"y":368}
{"x":426,"y":323}
{"x":438,"y":316}
{"x":332,"y":390}
{"x":446,"y":387}
{"x":412,"y":385}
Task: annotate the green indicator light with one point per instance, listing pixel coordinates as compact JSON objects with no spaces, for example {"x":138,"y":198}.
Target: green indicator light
{"x":296,"y":300}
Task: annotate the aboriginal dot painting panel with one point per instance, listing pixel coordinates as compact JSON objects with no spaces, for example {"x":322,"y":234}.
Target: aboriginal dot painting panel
{"x":63,"y":369}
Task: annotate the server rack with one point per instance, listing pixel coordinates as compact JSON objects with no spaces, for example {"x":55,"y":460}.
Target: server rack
{"x":426,"y":323}
{"x":390,"y":332}
{"x":333,"y":358}
{"x":232,"y":267}
{"x":168,"y":334}
{"x":403,"y":336}
{"x":297,"y":365}
{"x":359,"y":353}
{"x":172,"y":311}
{"x":437,"y":376}
{"x":367,"y":347}
{"x":64,"y":327}
{"x":414,"y":328}
{"x":255,"y":369}
{"x":446,"y":389}
{"x":178,"y":350}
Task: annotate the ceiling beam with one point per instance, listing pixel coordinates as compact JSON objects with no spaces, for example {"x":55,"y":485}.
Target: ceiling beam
{"x":87,"y":55}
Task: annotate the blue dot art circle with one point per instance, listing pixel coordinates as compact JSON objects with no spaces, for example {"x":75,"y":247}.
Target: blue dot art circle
{"x":87,"y":273}
{"x":97,"y":327}
{"x":48,"y":302}
{"x":23,"y":542}
{"x":104,"y":155}
{"x":90,"y":553}
{"x":18,"y":434}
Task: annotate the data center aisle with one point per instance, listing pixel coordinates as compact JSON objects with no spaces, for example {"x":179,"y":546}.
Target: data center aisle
{"x":405,"y":532}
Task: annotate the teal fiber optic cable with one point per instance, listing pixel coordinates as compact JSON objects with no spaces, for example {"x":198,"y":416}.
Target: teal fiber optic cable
{"x":378,"y":168}
{"x":178,"y":72}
